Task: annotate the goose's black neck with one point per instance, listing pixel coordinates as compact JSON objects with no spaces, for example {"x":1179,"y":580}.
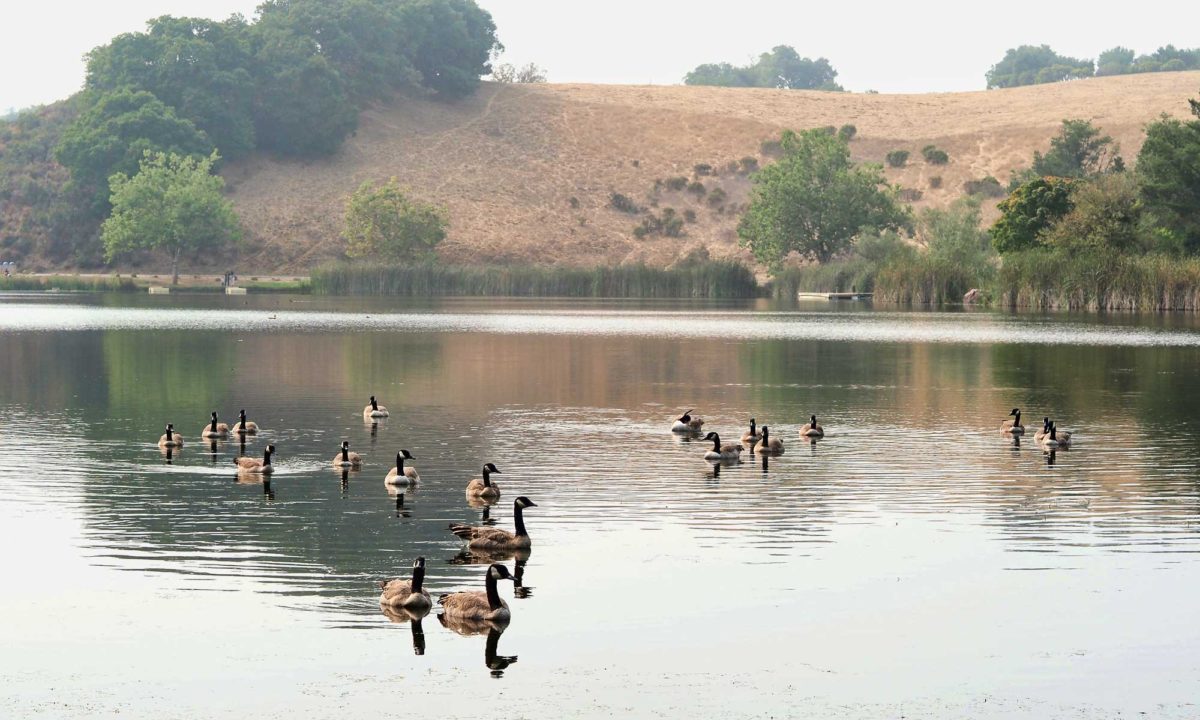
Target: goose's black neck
{"x":1017,"y":419}
{"x":766,"y":435}
{"x":752,"y":431}
{"x":399,"y":464}
{"x":214,"y":422}
{"x":345,"y":454}
{"x":170,"y":433}
{"x":716,"y":443}
{"x":493,"y":595}
{"x":374,"y":404}
{"x":267,"y":456}
{"x":519,"y":519}
{"x":487,"y":477}
{"x":418,"y":579}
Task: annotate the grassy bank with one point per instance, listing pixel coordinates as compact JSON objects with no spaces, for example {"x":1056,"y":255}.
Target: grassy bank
{"x":705,"y":280}
{"x":69,"y":283}
{"x":134,"y":283}
{"x":1056,"y":281}
{"x":857,"y":275}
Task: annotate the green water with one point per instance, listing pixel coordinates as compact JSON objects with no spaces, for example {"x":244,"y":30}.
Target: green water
{"x":914,"y":562}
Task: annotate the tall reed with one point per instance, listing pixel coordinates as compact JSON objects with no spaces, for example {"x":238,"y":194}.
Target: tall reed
{"x":844,"y":276}
{"x":1055,"y":280}
{"x":67,"y":283}
{"x":704,"y":280}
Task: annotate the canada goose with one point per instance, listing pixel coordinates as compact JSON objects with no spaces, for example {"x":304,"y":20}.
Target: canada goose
{"x":490,"y":538}
{"x":170,"y":438}
{"x":244,"y":427}
{"x":768,"y":445}
{"x":753,"y":436}
{"x":485,"y":489}
{"x":375,"y":410}
{"x":215,"y":429}
{"x":1037,"y":436}
{"x":685,"y":423}
{"x":400,"y":475}
{"x":407,"y":594}
{"x":1014,"y":426}
{"x":253,"y":465}
{"x":347,"y":459}
{"x":812,"y":429}
{"x":1056,"y":439}
{"x":475,"y":605}
{"x":728,"y":451}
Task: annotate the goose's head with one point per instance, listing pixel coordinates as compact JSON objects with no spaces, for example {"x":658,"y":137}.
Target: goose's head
{"x":372,"y":400}
{"x":242,"y":414}
{"x":499,"y":572}
{"x":812,"y":419}
{"x":524,"y":502}
{"x":345,"y":444}
{"x":419,"y":564}
{"x":714,"y":437}
{"x":406,"y":455}
{"x":686,"y":416}
{"x":214,"y":415}
{"x":170,"y":427}
{"x":271,"y":449}
{"x":1015,"y":412}
{"x":492,"y":469}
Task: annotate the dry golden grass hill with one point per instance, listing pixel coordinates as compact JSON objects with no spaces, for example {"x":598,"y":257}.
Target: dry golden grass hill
{"x":527,"y":171}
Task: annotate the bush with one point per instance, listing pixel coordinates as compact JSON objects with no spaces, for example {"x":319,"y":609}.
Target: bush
{"x":676,"y":183}
{"x":771,"y":148}
{"x":697,"y":188}
{"x":830,"y":130}
{"x":717,"y":197}
{"x":703,"y":170}
{"x":689,"y":216}
{"x":668,"y":224}
{"x":749,"y":165}
{"x":847,"y":132}
{"x":573,"y":202}
{"x":897,"y":158}
{"x":935,"y":182}
{"x":933,"y":156}
{"x":620,"y":202}
{"x":732,"y":167}
{"x":910,"y":195}
{"x":988,"y":187}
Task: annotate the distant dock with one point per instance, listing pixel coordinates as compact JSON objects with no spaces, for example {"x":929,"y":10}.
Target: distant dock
{"x":834,"y":296}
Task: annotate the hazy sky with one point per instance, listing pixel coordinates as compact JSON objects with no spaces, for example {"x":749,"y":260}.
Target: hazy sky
{"x":890,"y":46}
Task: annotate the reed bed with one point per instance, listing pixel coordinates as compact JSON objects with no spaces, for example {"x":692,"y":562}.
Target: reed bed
{"x":69,"y":283}
{"x":705,"y":280}
{"x":844,"y":276}
{"x":1057,"y":281}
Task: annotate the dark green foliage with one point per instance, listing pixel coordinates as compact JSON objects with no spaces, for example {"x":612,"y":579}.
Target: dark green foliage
{"x":1121,"y":61}
{"x":1078,"y":151}
{"x":304,"y":108}
{"x":1116,"y":61}
{"x":1033,"y":65}
{"x":199,"y":67}
{"x":114,"y":132}
{"x":1070,"y":280}
{"x":717,"y":197}
{"x":830,"y":130}
{"x":781,"y":68}
{"x":689,"y":216}
{"x":770,"y":148}
{"x":897,"y":158}
{"x":934,"y":156}
{"x":697,"y":188}
{"x":573,"y":202}
{"x":617,"y":201}
{"x":814,"y":201}
{"x":935,"y":182}
{"x":449,"y":42}
{"x":909,"y":195}
{"x":749,"y":165}
{"x":715,"y":279}
{"x":847,"y":132}
{"x":1029,"y":211}
{"x":703,"y":170}
{"x":1169,"y":168}
{"x":667,"y":224}
{"x":676,"y":183}
{"x":988,"y":187}
{"x":1105,"y":216}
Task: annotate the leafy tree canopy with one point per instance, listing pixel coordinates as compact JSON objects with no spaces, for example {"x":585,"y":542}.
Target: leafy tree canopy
{"x":113,"y":134}
{"x":814,"y":201}
{"x":451,"y":43}
{"x":1169,"y":168}
{"x":524,"y":75}
{"x":173,"y":203}
{"x":1030,"y":210}
{"x":782,"y":67}
{"x":1105,"y":215}
{"x":1034,"y":65}
{"x":385,"y":222}
{"x":1079,"y":150}
{"x":199,"y":67}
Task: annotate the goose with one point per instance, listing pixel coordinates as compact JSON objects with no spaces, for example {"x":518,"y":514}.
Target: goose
{"x":215,"y":429}
{"x":485,"y":489}
{"x":768,"y":445}
{"x":244,"y":427}
{"x":253,"y":465}
{"x":812,"y":429}
{"x":408,"y":594}
{"x":1056,"y":439}
{"x":687,"y":424}
{"x":1014,"y":426}
{"x":752,"y":436}
{"x":375,"y":410}
{"x":170,"y":439}
{"x":490,"y":538}
{"x":1037,"y":436}
{"x":347,"y":459}
{"x":400,"y":475}
{"x":475,"y":605}
{"x":729,"y":451}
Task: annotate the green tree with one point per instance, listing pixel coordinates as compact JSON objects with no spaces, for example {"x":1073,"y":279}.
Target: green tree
{"x":201,"y":68}
{"x":782,"y":67}
{"x":451,"y":43}
{"x":1033,"y":65}
{"x":1169,"y":167}
{"x":1078,"y":151}
{"x":954,"y":237}
{"x":1116,"y":61}
{"x":1105,"y":215}
{"x":174,"y":203}
{"x":814,"y":201}
{"x":1029,"y":211}
{"x":386,"y":222}
{"x":114,"y":133}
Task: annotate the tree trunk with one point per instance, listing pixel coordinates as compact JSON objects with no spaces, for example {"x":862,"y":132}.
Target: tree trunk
{"x":175,"y":267}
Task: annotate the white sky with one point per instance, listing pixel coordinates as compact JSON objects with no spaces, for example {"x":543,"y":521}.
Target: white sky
{"x":885,"y":45}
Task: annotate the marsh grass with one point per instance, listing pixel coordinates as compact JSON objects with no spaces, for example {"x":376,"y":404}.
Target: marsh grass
{"x":1051,"y":280}
{"x":70,"y":283}
{"x":702,"y":280}
{"x":857,"y":275}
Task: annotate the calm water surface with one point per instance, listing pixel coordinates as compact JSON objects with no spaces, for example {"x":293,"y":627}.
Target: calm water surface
{"x":913,"y":563}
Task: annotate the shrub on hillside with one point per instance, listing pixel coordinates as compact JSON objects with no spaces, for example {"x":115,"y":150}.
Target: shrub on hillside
{"x":623,"y":203}
{"x":771,"y":148}
{"x":935,"y":182}
{"x":676,"y":183}
{"x":897,"y":158}
{"x":910,"y":195}
{"x":988,"y":187}
{"x":847,"y":132}
{"x":749,"y":165}
{"x":933,"y":156}
{"x":703,"y":170}
{"x":697,"y":188}
{"x":717,"y":197}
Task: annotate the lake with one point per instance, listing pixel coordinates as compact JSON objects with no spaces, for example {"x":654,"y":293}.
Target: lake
{"x":915,"y":562}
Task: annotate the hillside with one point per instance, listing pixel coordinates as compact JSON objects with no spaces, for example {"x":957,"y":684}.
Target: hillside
{"x":527,"y":170}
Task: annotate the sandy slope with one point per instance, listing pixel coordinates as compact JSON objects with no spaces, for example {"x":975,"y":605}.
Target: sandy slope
{"x":508,"y":161}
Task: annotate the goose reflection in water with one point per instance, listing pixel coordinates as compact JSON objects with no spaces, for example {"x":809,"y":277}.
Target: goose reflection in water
{"x":169,"y":452}
{"x":401,"y":510}
{"x":496,"y":663}
{"x":477,"y":503}
{"x":214,"y":451}
{"x":1051,"y":455}
{"x":401,"y":615}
